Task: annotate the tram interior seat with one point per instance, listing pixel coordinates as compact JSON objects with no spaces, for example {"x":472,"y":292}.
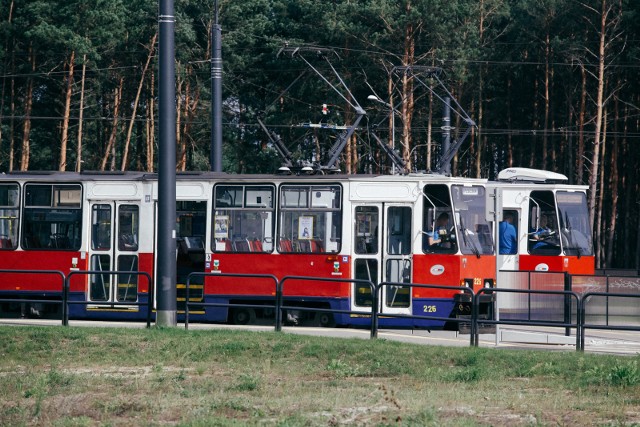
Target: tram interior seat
{"x":317,"y":245}
{"x":241,"y":245}
{"x":255,"y":245}
{"x":285,"y":245}
{"x":224,"y":245}
{"x":59,"y":241}
{"x":484,"y":237}
{"x":128,"y":242}
{"x":192,"y":244}
{"x":5,"y":243}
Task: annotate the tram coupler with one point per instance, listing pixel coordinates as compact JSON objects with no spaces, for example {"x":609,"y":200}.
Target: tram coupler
{"x":463,"y":307}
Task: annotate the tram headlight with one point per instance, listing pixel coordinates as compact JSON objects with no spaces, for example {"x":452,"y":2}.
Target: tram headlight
{"x":488,"y":283}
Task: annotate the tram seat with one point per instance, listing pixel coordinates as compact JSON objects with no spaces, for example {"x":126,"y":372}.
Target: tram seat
{"x":223,"y":245}
{"x":5,"y":243}
{"x":317,"y":246}
{"x":241,"y":245}
{"x":484,"y":237}
{"x":59,"y":241}
{"x":192,"y":244}
{"x":255,"y":245}
{"x":303,"y":246}
{"x":285,"y":245}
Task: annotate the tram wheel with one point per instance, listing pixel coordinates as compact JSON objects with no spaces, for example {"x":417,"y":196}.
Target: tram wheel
{"x":243,"y":316}
{"x":325,"y":320}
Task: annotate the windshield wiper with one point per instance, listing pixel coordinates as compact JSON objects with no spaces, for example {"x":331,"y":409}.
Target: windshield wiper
{"x":468,"y":242}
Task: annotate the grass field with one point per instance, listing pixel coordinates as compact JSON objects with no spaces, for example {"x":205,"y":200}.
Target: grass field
{"x":89,"y":376}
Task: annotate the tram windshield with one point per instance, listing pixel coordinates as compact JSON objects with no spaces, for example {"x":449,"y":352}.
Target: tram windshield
{"x":473,"y":229}
{"x":574,"y":223}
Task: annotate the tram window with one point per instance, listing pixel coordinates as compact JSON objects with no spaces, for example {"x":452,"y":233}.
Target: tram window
{"x":474,"y":232}
{"x":575,"y":227}
{"x":9,"y":214}
{"x":243,"y":218}
{"x":52,"y":217}
{"x":100,"y":283}
{"x":101,"y":227}
{"x":366,"y":230}
{"x":543,"y":238}
{"x":399,"y":230}
{"x":128,"y":223}
{"x":127,"y":282}
{"x":310,"y":219}
{"x":365,"y":269}
{"x":438,"y":229}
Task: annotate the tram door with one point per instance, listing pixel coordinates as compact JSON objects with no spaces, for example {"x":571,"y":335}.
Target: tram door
{"x":114,"y":247}
{"x":382,"y":252}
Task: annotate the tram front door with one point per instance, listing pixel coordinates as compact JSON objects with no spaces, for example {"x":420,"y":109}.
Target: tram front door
{"x":382,"y":253}
{"x":114,"y":247}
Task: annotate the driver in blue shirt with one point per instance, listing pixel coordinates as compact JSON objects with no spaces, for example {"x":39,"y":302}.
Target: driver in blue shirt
{"x":508,"y":238}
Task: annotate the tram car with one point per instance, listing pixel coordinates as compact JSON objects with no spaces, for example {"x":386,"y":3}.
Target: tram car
{"x":551,"y":222}
{"x":418,"y":228}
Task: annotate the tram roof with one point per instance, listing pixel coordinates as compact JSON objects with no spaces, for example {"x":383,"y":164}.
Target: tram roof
{"x":60,"y":176}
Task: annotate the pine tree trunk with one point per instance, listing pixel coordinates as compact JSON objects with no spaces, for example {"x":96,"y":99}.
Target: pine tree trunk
{"x":545,"y":136}
{"x":4,"y":79}
{"x":581,"y":123}
{"x":407,"y":92}
{"x":151,"y":127}
{"x":593,"y":179}
{"x":67,"y":111}
{"x":600,"y":259}
{"x":109,"y":151}
{"x":81,"y":115}
{"x":179,"y":147}
{"x":613,"y":192}
{"x":26,"y":129}
{"x":127,"y":142}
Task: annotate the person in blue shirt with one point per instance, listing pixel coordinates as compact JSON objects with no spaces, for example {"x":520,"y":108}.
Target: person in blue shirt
{"x":440,"y":236}
{"x":508,"y":238}
{"x":543,"y":236}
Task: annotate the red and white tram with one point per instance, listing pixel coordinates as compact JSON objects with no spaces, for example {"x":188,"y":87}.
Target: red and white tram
{"x":417,"y":228}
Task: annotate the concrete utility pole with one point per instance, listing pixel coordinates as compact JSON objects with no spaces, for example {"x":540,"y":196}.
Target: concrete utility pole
{"x":216,"y":94}
{"x":446,"y":133}
{"x":166,"y":243}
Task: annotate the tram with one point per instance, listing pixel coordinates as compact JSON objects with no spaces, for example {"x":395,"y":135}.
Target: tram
{"x":551,"y":219}
{"x":405,"y":229}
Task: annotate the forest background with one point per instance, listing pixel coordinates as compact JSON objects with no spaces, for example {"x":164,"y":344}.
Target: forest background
{"x":550,"y":84}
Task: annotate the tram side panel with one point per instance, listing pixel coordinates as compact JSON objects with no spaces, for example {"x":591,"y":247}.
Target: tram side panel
{"x":302,"y":237}
{"x":40,"y":229}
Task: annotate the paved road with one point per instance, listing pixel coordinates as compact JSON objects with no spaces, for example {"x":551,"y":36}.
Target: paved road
{"x":551,"y":339}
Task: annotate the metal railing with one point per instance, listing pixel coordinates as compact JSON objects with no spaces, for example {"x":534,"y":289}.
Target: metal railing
{"x":63,"y":289}
{"x":465,"y":290}
{"x":570,"y":298}
{"x":203,"y":303}
{"x":529,"y":321}
{"x":148,"y":303}
{"x":583,"y":312}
